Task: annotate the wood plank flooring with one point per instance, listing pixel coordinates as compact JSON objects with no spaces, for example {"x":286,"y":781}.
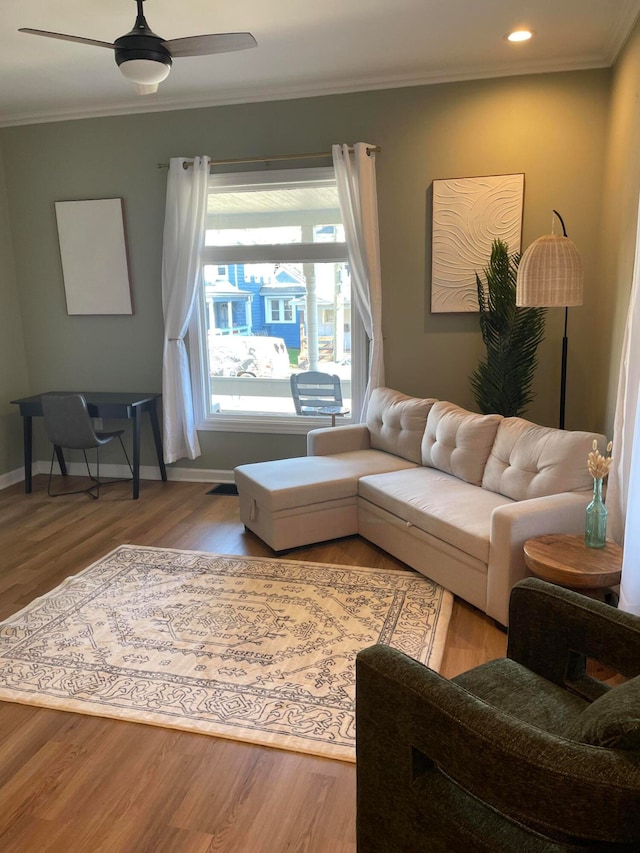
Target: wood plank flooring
{"x":77,"y":783}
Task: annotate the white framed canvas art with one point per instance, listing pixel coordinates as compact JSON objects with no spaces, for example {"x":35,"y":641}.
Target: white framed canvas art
{"x":468,"y":215}
{"x":93,"y":251}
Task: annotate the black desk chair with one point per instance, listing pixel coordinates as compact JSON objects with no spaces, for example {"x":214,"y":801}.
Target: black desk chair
{"x":313,"y":391}
{"x":69,"y":425}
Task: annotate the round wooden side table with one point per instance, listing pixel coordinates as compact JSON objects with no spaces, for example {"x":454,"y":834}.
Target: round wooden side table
{"x":564,"y":559}
{"x":333,"y":411}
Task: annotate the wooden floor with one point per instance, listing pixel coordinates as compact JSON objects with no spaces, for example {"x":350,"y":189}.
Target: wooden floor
{"x":77,"y":783}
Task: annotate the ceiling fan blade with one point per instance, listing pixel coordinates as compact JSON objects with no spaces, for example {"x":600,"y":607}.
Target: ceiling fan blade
{"x":215,"y":43}
{"x":64,"y":37}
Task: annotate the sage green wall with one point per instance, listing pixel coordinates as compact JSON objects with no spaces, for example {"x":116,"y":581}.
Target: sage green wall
{"x":551,"y":127}
{"x":13,"y":365}
{"x":619,"y":221}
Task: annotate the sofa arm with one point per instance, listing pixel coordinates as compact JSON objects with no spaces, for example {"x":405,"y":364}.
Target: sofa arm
{"x":410,"y":721}
{"x":511,"y":526}
{"x":553,"y":631}
{"x":330,"y":440}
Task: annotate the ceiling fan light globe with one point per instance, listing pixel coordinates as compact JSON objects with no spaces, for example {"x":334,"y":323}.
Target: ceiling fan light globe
{"x":145,"y":88}
{"x":145,"y":72}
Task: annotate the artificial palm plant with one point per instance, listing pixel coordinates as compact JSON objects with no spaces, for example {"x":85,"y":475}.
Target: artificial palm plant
{"x":502,"y":381}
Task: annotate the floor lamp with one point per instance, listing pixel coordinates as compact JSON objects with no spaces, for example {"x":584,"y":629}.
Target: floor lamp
{"x":550,"y":275}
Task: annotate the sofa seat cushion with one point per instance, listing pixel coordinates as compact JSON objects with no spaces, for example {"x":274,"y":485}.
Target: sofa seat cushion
{"x":437,"y":503}
{"x":531,"y":461}
{"x":523,"y":694}
{"x":286,"y":483}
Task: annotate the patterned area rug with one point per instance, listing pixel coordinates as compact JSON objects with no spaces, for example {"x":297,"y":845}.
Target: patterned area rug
{"x":253,"y":649}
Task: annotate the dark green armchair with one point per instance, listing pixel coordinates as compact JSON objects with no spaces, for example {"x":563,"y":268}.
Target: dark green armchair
{"x":525,"y":753}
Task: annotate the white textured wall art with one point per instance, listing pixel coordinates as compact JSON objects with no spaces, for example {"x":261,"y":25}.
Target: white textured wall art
{"x":468,"y":215}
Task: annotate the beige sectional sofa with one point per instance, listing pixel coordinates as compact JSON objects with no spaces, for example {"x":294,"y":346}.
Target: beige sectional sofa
{"x":452,"y":493}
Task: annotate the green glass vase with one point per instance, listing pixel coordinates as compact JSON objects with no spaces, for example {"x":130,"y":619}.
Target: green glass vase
{"x":595,"y":535}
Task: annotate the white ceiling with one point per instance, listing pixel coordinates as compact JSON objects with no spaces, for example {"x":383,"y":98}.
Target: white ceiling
{"x":304,"y":48}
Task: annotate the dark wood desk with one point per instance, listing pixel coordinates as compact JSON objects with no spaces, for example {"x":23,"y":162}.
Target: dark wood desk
{"x":101,"y":405}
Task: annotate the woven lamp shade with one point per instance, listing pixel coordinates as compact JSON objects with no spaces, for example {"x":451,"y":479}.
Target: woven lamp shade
{"x":550,"y":274}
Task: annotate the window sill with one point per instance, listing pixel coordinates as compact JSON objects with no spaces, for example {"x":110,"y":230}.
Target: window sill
{"x":283,"y":424}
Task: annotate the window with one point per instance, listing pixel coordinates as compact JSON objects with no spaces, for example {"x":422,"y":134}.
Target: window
{"x":280,"y":310}
{"x":275,"y":299}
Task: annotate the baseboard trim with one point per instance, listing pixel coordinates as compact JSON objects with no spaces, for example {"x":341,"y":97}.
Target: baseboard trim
{"x":147,"y":472}
{"x":195,"y":475}
{"x":11,"y":478}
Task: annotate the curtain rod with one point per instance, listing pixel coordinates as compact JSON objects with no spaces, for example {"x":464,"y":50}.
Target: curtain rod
{"x":315,"y":156}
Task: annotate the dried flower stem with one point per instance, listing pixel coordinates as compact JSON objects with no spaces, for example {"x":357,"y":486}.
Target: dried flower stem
{"x":598,"y":464}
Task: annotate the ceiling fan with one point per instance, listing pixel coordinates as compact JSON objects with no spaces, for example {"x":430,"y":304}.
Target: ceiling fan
{"x":145,"y":58}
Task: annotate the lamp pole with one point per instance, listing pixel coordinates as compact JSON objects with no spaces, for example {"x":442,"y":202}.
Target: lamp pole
{"x":565,"y":347}
{"x":563,"y":373}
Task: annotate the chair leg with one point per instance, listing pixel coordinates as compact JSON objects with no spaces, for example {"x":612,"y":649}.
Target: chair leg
{"x":86,"y":462}
{"x":126,"y":456}
{"x":53,"y":456}
{"x":96,"y":480}
{"x":88,"y":491}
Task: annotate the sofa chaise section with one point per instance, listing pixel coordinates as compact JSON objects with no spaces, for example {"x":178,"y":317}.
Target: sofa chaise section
{"x":294,"y":502}
{"x":307,"y":500}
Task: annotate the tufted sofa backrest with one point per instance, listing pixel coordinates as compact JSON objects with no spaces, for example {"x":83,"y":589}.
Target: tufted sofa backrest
{"x":510,"y":456}
{"x":397,"y":422}
{"x":531,"y":461}
{"x":458,"y":442}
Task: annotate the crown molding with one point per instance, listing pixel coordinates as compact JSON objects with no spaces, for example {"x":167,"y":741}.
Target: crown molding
{"x":626,"y":19}
{"x":284,"y":93}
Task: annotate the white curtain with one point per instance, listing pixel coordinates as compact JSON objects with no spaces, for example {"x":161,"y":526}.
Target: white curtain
{"x":356,"y":180}
{"x":183,"y":241}
{"x":623,"y":492}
